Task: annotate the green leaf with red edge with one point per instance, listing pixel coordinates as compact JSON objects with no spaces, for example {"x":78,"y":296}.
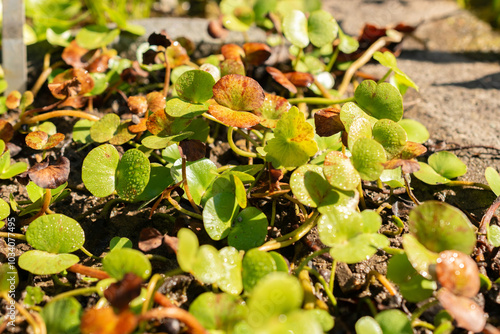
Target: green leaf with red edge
{"x":239,"y":119}
{"x":272,"y":109}
{"x":160,"y":122}
{"x":238,"y":92}
{"x":39,"y":140}
{"x":293,"y":143}
{"x":391,"y":135}
{"x":195,"y":86}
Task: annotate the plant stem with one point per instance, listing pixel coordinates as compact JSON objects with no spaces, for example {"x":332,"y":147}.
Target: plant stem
{"x":320,"y":100}
{"x":292,"y":237}
{"x":393,"y":251}
{"x":194,"y":327}
{"x":176,"y":205}
{"x":89,"y":254}
{"x":304,"y":262}
{"x":166,"y":82}
{"x":45,"y":205}
{"x":247,"y":137}
{"x":325,"y":285}
{"x":485,"y":221}
{"x":38,"y":328}
{"x":332,"y":275}
{"x":88,"y":271}
{"x":76,"y":292}
{"x":17,"y":236}
{"x":57,"y":113}
{"x":296,"y":202}
{"x":408,"y":189}
{"x":235,"y":148}
{"x":332,"y":60}
{"x":418,"y":312}
{"x":297,"y":58}
{"x":424,"y":324}
{"x":273,"y":212}
{"x":361,"y":196}
{"x":383,"y":280}
{"x":385,"y":76}
{"x":326,"y":94}
{"x":153,"y":285}
{"x":365,"y":58}
{"x":468,"y":184}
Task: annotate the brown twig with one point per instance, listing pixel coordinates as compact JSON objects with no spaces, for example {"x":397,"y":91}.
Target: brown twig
{"x":194,"y":326}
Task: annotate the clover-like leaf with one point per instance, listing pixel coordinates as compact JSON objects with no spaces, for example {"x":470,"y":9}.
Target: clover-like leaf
{"x":380,"y":100}
{"x":415,"y":130}
{"x":368,"y":157}
{"x":440,"y":226}
{"x":256,"y":264}
{"x":321,"y":28}
{"x":458,"y":273}
{"x":105,"y":128}
{"x":447,"y":164}
{"x":187,"y":249}
{"x":293,"y":143}
{"x":44,"y":263}
{"x":230,"y":117}
{"x":195,"y":86}
{"x":40,"y":140}
{"x":62,"y":316}
{"x":391,"y":135}
{"x":238,"y":92}
{"x":249,"y":229}
{"x":99,"y":170}
{"x":359,"y":128}
{"x":493,"y":179}
{"x":55,"y":233}
{"x":218,"y":215}
{"x":340,"y":172}
{"x":132,"y":174}
{"x":272,"y":109}
{"x":350,"y":112}
{"x":230,"y":280}
{"x":121,"y":261}
{"x":207,"y":266}
{"x":218,"y":311}
{"x":295,"y":28}
{"x":387,"y":59}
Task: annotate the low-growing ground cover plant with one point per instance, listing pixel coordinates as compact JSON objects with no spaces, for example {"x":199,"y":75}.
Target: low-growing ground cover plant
{"x":187,"y":174}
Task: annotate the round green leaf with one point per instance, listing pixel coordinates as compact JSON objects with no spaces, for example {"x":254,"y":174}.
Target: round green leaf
{"x":388,"y":59}
{"x":4,"y":209}
{"x":43,"y":263}
{"x":296,"y":322}
{"x":419,"y":256}
{"x":230,"y":280}
{"x":105,"y":128}
{"x":159,"y":179}
{"x":428,"y":175}
{"x":440,"y":226}
{"x":413,"y":287}
{"x":119,"y":243}
{"x":249,"y":230}
{"x":94,"y":36}
{"x":391,"y":135}
{"x":360,"y":128}
{"x":493,"y":180}
{"x":199,"y":173}
{"x":55,"y":233}
{"x":277,"y":293}
{"x":415,"y":130}
{"x":81,"y":131}
{"x":340,"y":172}
{"x":447,"y":164}
{"x":218,"y":214}
{"x":58,"y":36}
{"x":62,"y":316}
{"x":323,"y":317}
{"x":187,"y":248}
{"x":367,"y":325}
{"x":207,"y":266}
{"x":347,"y":43}
{"x":380,"y":100}
{"x":281,"y":263}
{"x":195,"y":86}
{"x":295,"y":28}
{"x":322,"y":28}
{"x":394,"y":322}
{"x":256,"y":264}
{"x":132,"y":174}
{"x":351,"y":112}
{"x":179,"y":108}
{"x":119,"y":262}
{"x":494,"y":235}
{"x":367,"y":157}
{"x":218,"y":311}
{"x":9,"y":278}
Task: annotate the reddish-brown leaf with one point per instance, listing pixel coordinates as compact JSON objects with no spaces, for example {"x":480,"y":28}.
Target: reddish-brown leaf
{"x":300,"y":79}
{"x":100,"y":64}
{"x":280,"y":78}
{"x":232,"y":51}
{"x":271,"y":110}
{"x":192,"y":149}
{"x":238,"y":92}
{"x":239,"y":119}
{"x":458,"y":273}
{"x":13,"y":99}
{"x":40,"y":140}
{"x":216,"y":30}
{"x":177,"y":55}
{"x":149,"y":239}
{"x":72,"y":82}
{"x":105,"y":321}
{"x":121,"y":293}
{"x":276,"y":175}
{"x":407,"y":166}
{"x":6,"y":131}
{"x":327,"y":122}
{"x":160,"y":39}
{"x":76,"y":102}
{"x":158,"y":121}
{"x":465,"y":311}
{"x":156,"y":101}
{"x":129,"y":75}
{"x":139,"y":127}
{"x":412,"y":150}
{"x":256,"y":53}
{"x":76,"y":56}
{"x":231,"y":66}
{"x":49,"y":176}
{"x":137,"y":104}
{"x":171,"y":243}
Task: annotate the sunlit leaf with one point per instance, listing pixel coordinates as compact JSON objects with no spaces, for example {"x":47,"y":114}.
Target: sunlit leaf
{"x":230,"y":280}
{"x":55,"y":233}
{"x":99,"y":170}
{"x":391,"y":135}
{"x":94,"y":36}
{"x":368,"y":157}
{"x":218,"y":215}
{"x":239,"y":119}
{"x":447,"y":164}
{"x":249,"y":230}
{"x":458,"y":273}
{"x":105,"y":128}
{"x":126,"y":260}
{"x":415,"y":130}
{"x":43,"y":263}
{"x":256,"y":265}
{"x":493,"y":180}
{"x":207,"y":266}
{"x":394,"y":322}
{"x":340,"y":172}
{"x":281,"y":79}
{"x":380,"y":100}
{"x":62,"y":316}
{"x":295,"y":28}
{"x":428,"y":175}
{"x":132,"y":174}
{"x":187,"y":248}
{"x":322,"y":28}
{"x":195,"y":86}
{"x":199,"y":175}
{"x":218,"y":311}
{"x":39,"y":140}
{"x":387,"y":59}
{"x":238,"y":92}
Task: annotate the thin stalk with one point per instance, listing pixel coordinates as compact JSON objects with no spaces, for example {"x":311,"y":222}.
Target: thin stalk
{"x":89,"y":254}
{"x":17,"y":236}
{"x":174,"y":272}
{"x":325,"y":285}
{"x":332,"y":60}
{"x":57,"y":113}
{"x":393,"y":251}
{"x":468,"y":184}
{"x":408,"y":189}
{"x":326,"y":94}
{"x":38,"y":328}
{"x":76,"y":292}
{"x":153,"y":285}
{"x":383,"y":280}
{"x":176,"y":205}
{"x":320,"y":100}
{"x":273,"y":212}
{"x":297,"y":58}
{"x":382,"y":207}
{"x":418,"y":312}
{"x":365,"y":58}
{"x":257,"y":178}
{"x":485,"y":221}
{"x":424,"y":324}
{"x":332,"y":276}
{"x":385,"y":76}
{"x":156,"y":257}
{"x":361,"y":196}
{"x":235,"y":148}
{"x":296,"y":202}
{"x":246,"y":136}
{"x":193,"y":325}
{"x":186,"y":187}
{"x":292,"y":237}
{"x":304,"y":262}
{"x":166,"y":83}
{"x":45,"y":205}
{"x":88,"y":271}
